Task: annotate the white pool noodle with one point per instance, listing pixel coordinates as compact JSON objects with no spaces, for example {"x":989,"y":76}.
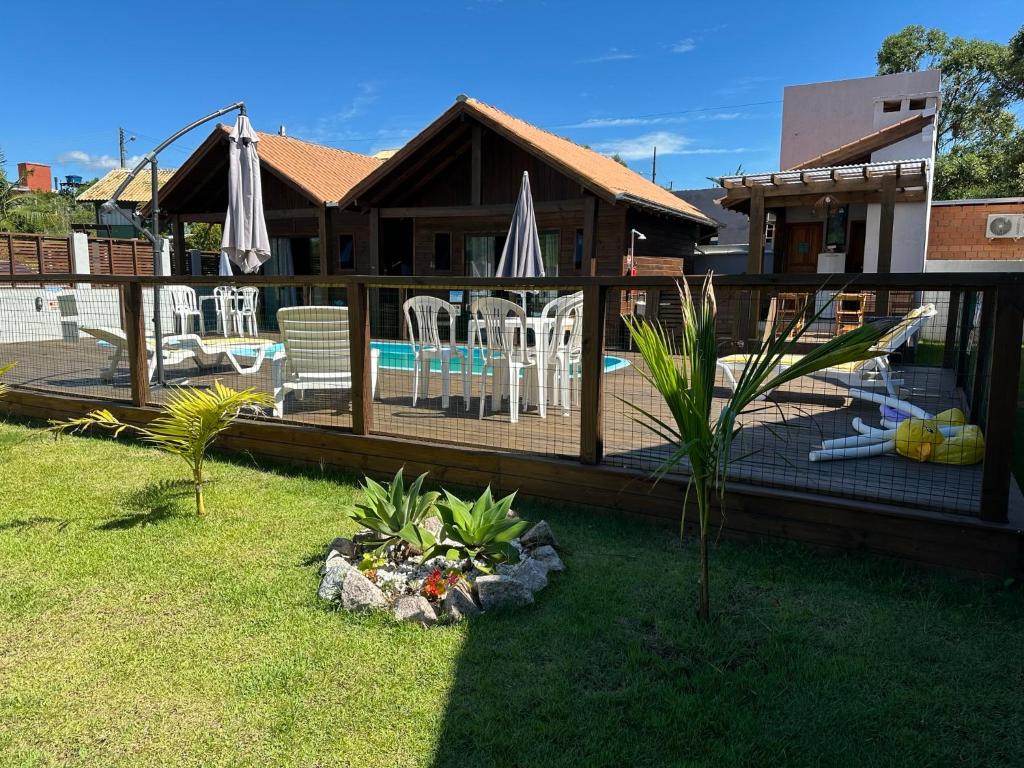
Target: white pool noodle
{"x":860,"y":452}
{"x":865,"y":429}
{"x":853,"y":441}
{"x":893,"y":402}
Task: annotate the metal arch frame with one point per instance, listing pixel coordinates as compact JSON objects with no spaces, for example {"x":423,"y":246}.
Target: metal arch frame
{"x":110,"y":206}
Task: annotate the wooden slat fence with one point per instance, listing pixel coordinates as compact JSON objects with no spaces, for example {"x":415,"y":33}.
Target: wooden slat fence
{"x":23,"y":254}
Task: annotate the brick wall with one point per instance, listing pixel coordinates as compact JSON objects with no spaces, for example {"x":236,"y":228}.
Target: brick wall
{"x":958,"y":232}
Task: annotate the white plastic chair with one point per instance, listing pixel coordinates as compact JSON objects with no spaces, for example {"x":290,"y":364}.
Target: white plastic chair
{"x":427,"y":345}
{"x":185,"y":309}
{"x":563,"y":351}
{"x":247,"y":301}
{"x":499,"y":331}
{"x":224,"y":306}
{"x":316,"y":353}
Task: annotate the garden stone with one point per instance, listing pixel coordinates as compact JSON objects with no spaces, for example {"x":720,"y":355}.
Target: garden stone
{"x":458,"y":604}
{"x":415,"y":608}
{"x":547,"y":557}
{"x":359,"y":593}
{"x":343,"y":546}
{"x":539,"y":536}
{"x":498,"y":592}
{"x":532,"y":574}
{"x":333,"y":578}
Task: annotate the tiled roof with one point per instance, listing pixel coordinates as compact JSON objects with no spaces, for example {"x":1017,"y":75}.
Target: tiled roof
{"x":325,"y":173}
{"x":138,"y":191}
{"x":599,"y":173}
{"x":599,"y":170}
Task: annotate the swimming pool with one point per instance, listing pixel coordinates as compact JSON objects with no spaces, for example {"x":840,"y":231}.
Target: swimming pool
{"x":398,"y":356}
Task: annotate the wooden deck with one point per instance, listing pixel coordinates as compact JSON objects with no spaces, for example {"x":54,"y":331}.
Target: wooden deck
{"x":770,"y":451}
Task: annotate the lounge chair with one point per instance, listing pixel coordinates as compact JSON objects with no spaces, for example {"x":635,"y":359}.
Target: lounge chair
{"x":316,"y":353}
{"x":861,"y":373}
{"x":205,"y":353}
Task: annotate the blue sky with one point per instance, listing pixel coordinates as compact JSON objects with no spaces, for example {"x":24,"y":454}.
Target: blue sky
{"x":702,"y":81}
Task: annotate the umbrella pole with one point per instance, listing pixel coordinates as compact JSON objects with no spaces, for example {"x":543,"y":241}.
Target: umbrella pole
{"x":158,"y":260}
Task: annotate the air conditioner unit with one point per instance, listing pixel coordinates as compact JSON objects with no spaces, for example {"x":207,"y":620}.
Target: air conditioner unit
{"x":1001,"y":225}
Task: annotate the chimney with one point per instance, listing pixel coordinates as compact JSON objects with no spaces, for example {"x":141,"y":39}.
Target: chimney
{"x":281,"y":131}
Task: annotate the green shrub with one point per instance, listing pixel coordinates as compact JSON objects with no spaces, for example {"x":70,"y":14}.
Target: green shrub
{"x":394,"y":513}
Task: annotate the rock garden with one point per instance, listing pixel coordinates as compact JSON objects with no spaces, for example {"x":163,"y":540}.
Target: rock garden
{"x":429,"y":558}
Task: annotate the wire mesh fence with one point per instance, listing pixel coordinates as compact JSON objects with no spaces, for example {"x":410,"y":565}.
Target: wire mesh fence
{"x":926,"y":363}
{"x":478,"y":365}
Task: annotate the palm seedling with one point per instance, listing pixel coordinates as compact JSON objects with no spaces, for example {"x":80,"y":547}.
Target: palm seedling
{"x":686,"y":381}
{"x":190,"y":422}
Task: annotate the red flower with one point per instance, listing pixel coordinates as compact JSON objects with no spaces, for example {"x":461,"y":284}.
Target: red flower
{"x":433,"y":585}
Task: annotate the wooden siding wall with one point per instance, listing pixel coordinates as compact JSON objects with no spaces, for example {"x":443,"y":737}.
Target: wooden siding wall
{"x":348,"y":223}
{"x":109,"y":256}
{"x":31,"y":254}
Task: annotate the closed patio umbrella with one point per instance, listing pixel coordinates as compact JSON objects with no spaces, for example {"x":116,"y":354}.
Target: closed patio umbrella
{"x":521,"y":256}
{"x":224,"y":267}
{"x":245,"y":240}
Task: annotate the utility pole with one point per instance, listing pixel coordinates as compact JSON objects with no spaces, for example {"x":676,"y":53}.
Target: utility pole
{"x":654,"y":166}
{"x":120,"y":141}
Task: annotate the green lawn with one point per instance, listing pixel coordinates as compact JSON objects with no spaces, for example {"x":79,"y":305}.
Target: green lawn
{"x":132,"y":633}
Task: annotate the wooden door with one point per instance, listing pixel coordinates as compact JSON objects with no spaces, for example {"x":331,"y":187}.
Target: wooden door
{"x":855,"y":248}
{"x":803,"y":244}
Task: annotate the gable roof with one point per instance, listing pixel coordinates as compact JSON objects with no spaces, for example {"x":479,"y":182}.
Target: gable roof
{"x":862,"y":148}
{"x":599,"y":173}
{"x":138,"y":191}
{"x":323,"y":174}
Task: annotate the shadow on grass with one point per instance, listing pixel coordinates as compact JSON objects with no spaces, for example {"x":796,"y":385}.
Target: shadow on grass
{"x":155,"y":503}
{"x":33,"y":522}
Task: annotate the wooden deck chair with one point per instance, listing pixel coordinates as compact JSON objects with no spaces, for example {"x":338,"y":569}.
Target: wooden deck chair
{"x":861,"y":373}
{"x":316,"y":353}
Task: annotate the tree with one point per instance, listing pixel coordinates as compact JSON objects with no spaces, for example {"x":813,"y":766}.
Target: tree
{"x":618,"y":159}
{"x":189,"y":423}
{"x":980,"y":141}
{"x":686,"y":382}
{"x":203,"y":237}
{"x":50,"y":213}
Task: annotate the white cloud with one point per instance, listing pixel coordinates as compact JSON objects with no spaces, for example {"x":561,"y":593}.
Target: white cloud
{"x":620,"y":122}
{"x":334,"y":127}
{"x":722,"y":116}
{"x":668,"y":143}
{"x":643,"y":146}
{"x":614,"y":54}
{"x":95,"y":162}
{"x":684,"y":46}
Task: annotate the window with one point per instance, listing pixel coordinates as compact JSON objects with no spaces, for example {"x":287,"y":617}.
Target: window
{"x":917,"y":104}
{"x":482,"y":254}
{"x":835,"y":227}
{"x":549,"y":246}
{"x":577,"y":258}
{"x":346,"y":252}
{"x":442,"y":251}
{"x":892,"y":106}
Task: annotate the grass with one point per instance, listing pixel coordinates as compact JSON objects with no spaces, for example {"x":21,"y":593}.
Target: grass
{"x":132,"y":633}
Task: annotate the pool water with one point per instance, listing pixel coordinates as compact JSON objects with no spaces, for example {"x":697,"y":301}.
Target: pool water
{"x":398,"y":356}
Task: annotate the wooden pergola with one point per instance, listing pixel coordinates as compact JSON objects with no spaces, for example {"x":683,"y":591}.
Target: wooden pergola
{"x":886,"y":183}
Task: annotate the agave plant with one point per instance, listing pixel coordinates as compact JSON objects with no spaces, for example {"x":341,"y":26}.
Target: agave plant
{"x":686,"y":381}
{"x":394,"y":513}
{"x":481,"y":530}
{"x":189,"y":423}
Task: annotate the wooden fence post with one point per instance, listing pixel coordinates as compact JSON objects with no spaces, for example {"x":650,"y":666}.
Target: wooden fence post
{"x":967,"y":301}
{"x":952,"y":314}
{"x":39,"y":253}
{"x":1000,"y":421}
{"x":595,"y":302}
{"x":135,"y":330}
{"x":986,"y":354}
{"x":359,"y":344}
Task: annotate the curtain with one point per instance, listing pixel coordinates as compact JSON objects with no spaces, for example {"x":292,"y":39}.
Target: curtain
{"x":280,"y":264}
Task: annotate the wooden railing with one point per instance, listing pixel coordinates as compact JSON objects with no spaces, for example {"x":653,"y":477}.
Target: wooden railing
{"x":989,"y":377}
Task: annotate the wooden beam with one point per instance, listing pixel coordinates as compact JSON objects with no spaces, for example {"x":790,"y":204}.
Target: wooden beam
{"x":217,"y":217}
{"x":952,"y":312}
{"x":784,"y":187}
{"x":590,"y":216}
{"x":595,"y":300}
{"x":135,"y":331}
{"x":1002,"y":404}
{"x":984,"y":357}
{"x":755,"y":233}
{"x":464,"y":211}
{"x":359,"y":336}
{"x":415,"y":167}
{"x":476,"y":179}
{"x":886,"y":221}
{"x":178,"y":228}
{"x":325,"y":244}
{"x":374,"y":241}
